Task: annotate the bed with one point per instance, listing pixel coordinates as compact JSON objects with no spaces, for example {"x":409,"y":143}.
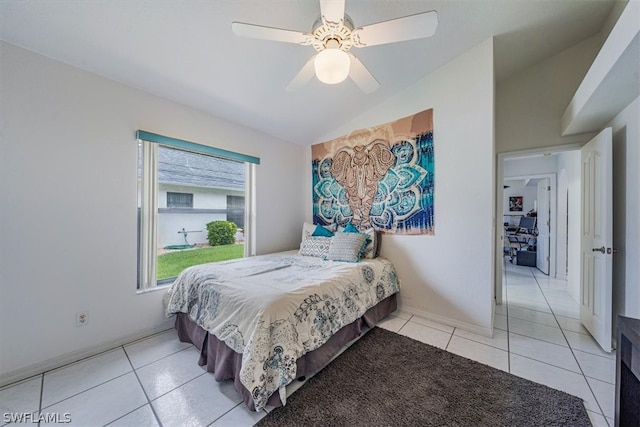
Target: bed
{"x":264,"y":321}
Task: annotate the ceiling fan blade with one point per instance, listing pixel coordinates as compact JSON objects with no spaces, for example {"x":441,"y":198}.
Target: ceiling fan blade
{"x":304,"y":75}
{"x":269,"y":33}
{"x":397,"y":30}
{"x":361,"y":76}
{"x":332,"y":10}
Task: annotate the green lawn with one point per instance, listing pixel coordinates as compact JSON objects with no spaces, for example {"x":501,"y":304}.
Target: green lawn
{"x":172,"y":263}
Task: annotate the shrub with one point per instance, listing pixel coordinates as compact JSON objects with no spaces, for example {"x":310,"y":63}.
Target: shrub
{"x":221,"y":233}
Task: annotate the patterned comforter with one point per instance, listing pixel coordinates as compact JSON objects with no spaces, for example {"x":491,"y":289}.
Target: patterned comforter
{"x":274,"y":308}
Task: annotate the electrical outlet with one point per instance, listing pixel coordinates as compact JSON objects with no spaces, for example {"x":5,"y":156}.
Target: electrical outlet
{"x":82,"y":318}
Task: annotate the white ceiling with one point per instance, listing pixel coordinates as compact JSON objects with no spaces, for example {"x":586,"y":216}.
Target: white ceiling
{"x":184,"y":50}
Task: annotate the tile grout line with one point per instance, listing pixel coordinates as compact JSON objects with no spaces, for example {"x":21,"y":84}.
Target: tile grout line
{"x":85,"y":390}
{"x":404,"y":324}
{"x":41,"y":396}
{"x":446,"y":347}
{"x":135,"y":372}
{"x":571,"y":349}
{"x":234,"y":407}
{"x":161,"y":358}
{"x":548,"y":364}
{"x":83,"y":359}
{"x":540,"y":339}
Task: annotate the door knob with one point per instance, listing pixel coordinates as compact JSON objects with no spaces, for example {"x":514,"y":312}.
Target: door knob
{"x":602,"y":249}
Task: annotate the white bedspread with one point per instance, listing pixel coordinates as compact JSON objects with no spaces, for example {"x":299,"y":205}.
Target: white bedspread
{"x":274,"y":308}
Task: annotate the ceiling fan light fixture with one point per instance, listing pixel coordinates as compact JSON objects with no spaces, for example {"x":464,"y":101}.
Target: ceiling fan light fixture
{"x":332,"y":65}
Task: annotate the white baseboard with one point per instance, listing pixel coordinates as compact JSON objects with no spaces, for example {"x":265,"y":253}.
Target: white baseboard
{"x":487,"y":332}
{"x":71,"y":357}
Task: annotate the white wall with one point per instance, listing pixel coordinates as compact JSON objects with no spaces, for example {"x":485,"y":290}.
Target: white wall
{"x":66,"y":251}
{"x":448,"y":276}
{"x":530,"y":165}
{"x":626,"y":210}
{"x":530,"y":104}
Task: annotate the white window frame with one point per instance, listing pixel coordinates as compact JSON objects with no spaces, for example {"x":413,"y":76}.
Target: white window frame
{"x":148,"y":200}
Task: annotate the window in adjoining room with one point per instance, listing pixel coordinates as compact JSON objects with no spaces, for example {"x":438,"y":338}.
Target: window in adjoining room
{"x":184,"y":188}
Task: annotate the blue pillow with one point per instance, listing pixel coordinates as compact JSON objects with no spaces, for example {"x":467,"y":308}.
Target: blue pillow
{"x":350,"y":228}
{"x":321,"y":231}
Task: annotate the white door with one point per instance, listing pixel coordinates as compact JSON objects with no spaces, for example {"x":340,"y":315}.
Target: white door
{"x":596,"y":239}
{"x":544,"y":232}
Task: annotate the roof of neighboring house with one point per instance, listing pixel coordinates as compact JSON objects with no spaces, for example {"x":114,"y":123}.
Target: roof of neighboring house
{"x":187,"y":168}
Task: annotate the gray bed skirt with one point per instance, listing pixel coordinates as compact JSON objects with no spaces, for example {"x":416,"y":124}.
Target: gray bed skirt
{"x":225,"y":363}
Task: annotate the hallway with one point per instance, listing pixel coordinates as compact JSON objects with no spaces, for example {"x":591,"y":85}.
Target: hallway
{"x":547,"y":343}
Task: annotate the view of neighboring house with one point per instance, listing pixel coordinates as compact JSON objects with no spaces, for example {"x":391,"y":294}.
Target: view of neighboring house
{"x":194,"y":190}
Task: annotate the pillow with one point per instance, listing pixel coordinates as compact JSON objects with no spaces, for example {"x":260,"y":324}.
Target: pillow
{"x":346,"y":247}
{"x":308,"y":229}
{"x":315,"y":246}
{"x":371,"y":247}
{"x":350,"y":228}
{"x":322,"y":231}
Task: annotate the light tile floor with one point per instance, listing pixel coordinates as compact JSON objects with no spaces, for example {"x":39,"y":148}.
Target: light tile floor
{"x":156,"y":381}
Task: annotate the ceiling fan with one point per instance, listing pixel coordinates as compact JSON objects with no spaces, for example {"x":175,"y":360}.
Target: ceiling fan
{"x":333,"y":35}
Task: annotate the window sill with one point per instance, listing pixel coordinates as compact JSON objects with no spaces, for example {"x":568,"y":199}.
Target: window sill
{"x":154,"y":289}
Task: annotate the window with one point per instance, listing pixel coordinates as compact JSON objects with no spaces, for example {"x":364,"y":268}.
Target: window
{"x":179,"y":200}
{"x":235,"y":210}
{"x":183,"y":186}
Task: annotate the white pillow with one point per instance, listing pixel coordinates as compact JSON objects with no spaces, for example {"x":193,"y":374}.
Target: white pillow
{"x":316,"y":246}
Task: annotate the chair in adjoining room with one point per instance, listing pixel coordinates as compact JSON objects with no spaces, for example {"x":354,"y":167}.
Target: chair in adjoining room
{"x":515,"y":245}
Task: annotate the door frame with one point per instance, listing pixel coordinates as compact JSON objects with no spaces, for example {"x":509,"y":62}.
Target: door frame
{"x":498,"y":214}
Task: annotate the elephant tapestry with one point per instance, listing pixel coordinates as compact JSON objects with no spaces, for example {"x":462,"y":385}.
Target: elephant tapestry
{"x":381,"y":177}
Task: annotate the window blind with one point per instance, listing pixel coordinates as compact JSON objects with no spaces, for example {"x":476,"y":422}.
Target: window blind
{"x":195,"y":147}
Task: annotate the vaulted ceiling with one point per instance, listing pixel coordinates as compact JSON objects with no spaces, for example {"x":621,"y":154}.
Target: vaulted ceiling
{"x":184,"y":50}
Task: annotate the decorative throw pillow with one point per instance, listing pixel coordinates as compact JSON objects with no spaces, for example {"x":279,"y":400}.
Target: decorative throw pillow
{"x":346,"y":247}
{"x":370,"y":249}
{"x":315,"y":246}
{"x":322,"y":231}
{"x":350,"y":228}
{"x":308,"y":229}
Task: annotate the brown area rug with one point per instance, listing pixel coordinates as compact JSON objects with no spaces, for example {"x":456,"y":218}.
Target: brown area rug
{"x":386,"y":379}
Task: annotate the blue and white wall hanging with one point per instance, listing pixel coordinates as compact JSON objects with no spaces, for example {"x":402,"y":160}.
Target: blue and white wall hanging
{"x":381,"y":177}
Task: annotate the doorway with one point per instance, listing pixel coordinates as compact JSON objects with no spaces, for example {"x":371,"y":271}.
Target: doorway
{"x":530,"y":225}
{"x":557,"y":171}
{"x":538,"y":196}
